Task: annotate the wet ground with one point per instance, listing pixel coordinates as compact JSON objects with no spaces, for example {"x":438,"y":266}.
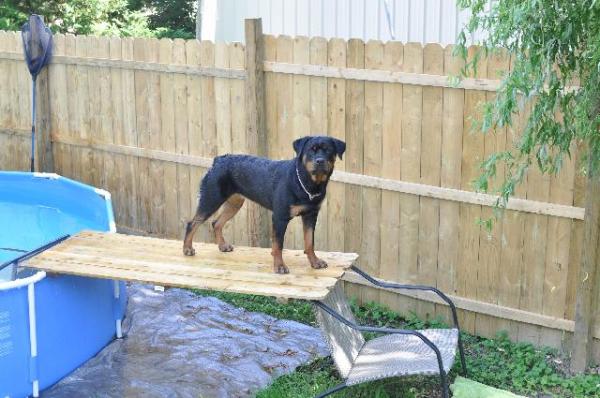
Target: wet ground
{"x":179,"y":344}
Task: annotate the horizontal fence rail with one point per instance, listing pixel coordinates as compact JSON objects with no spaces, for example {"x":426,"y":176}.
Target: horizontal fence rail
{"x":144,"y":119}
{"x":382,"y":76}
{"x":226,"y":73}
{"x":430,"y":191}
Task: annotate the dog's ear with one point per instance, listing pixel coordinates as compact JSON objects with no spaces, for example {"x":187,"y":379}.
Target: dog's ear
{"x":340,"y":147}
{"x":299,"y":144}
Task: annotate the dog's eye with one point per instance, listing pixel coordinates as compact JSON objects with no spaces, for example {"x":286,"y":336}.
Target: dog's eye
{"x":314,"y":148}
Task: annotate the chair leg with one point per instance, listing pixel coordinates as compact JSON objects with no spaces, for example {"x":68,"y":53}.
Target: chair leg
{"x":332,"y":390}
{"x":444,"y":385}
{"x":461,"y":351}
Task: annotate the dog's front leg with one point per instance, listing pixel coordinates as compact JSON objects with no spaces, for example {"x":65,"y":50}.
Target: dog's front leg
{"x":279,"y":227}
{"x":309,"y":221}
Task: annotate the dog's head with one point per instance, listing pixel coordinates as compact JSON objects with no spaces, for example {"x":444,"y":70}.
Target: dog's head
{"x":317,"y":154}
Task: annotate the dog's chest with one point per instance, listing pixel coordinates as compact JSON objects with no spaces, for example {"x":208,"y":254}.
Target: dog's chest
{"x":302,"y":209}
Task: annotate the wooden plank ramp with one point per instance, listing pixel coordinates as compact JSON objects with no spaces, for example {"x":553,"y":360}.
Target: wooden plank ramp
{"x":161,"y":262}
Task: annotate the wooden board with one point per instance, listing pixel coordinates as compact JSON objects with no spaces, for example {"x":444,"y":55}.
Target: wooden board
{"x":431,"y":148}
{"x":372,"y":153}
{"x":336,"y":127}
{"x":160,"y":261}
{"x":390,"y":169}
{"x":355,"y":107}
{"x":410,"y":168}
{"x":318,"y":125}
{"x":472,"y":153}
{"x":450,"y":177}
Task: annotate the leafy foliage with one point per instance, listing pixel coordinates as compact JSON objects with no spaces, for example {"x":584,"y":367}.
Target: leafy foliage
{"x":555,"y":54}
{"x":169,"y":18}
{"x":140,"y":18}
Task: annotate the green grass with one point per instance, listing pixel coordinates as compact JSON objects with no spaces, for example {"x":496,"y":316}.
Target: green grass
{"x":517,"y":367}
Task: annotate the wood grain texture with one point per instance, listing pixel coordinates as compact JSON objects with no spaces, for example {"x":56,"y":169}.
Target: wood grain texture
{"x":410,"y":167}
{"x":238,"y":134}
{"x":390,"y":169}
{"x":318,"y":126}
{"x":450,"y":177}
{"x":588,"y":291}
{"x":431,"y":156}
{"x":160,"y":261}
{"x":372,"y":143}
{"x":102,"y":61}
{"x":354,"y":124}
{"x":144,"y":118}
{"x":472,"y":156}
{"x":300,"y":124}
{"x":336,"y":127}
{"x":256,"y":122}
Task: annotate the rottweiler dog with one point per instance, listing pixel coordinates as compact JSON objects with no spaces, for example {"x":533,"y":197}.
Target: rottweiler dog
{"x":289,"y":188}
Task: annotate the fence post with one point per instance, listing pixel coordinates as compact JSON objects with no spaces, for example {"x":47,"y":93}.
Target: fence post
{"x":256,"y":133}
{"x":587,"y":291}
{"x":43,"y":144}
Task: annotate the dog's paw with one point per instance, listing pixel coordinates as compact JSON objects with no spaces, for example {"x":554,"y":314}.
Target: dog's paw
{"x":225,"y":247}
{"x":318,"y":264}
{"x":281,"y":269}
{"x":189,"y":251}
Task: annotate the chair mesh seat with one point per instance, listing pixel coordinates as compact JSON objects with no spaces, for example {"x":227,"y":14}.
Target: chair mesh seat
{"x":401,"y":355}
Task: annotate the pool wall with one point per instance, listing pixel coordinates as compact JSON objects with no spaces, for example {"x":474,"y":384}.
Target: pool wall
{"x":51,"y":324}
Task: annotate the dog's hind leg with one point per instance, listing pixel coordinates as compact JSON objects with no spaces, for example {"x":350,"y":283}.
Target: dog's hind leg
{"x":230,"y":208}
{"x":209,"y":202}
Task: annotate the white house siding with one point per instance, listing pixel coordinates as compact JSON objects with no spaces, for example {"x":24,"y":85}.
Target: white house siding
{"x":425,"y":21}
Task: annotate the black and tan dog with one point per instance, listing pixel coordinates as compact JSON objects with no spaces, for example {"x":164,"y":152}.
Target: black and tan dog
{"x":289,"y":188}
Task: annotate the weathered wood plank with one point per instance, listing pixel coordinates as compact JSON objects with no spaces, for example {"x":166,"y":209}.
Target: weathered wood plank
{"x":238,"y":133}
{"x":410,"y":167}
{"x":390,"y":169}
{"x":431,"y":155}
{"x":429,"y":191}
{"x":318,"y":125}
{"x":258,"y":227}
{"x":336,"y":127}
{"x":160,"y":261}
{"x":472,"y":156}
{"x":150,"y":66}
{"x":372,"y":144}
{"x":587,"y":289}
{"x":168,"y":105}
{"x":450,"y":177}
{"x":355,"y":115}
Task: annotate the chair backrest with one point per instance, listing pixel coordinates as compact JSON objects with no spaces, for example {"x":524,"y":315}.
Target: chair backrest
{"x":344,"y":342}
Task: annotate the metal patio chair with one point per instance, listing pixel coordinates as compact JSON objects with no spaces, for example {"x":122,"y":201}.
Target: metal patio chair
{"x":398,"y":353}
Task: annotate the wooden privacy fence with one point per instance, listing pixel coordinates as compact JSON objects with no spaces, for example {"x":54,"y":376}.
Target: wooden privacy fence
{"x":144,"y":117}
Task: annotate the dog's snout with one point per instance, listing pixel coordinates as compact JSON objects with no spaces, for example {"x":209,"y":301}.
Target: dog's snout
{"x":319,"y":161}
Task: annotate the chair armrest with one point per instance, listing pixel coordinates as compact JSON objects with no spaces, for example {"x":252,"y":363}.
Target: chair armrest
{"x":362,"y":328}
{"x":398,"y":286}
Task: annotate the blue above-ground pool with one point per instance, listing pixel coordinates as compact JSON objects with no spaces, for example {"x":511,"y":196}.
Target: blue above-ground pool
{"x":50,"y":324}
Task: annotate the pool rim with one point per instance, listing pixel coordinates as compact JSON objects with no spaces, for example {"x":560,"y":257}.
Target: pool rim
{"x":112,"y":225}
{"x":29,"y":282}
{"x":22,"y":282}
